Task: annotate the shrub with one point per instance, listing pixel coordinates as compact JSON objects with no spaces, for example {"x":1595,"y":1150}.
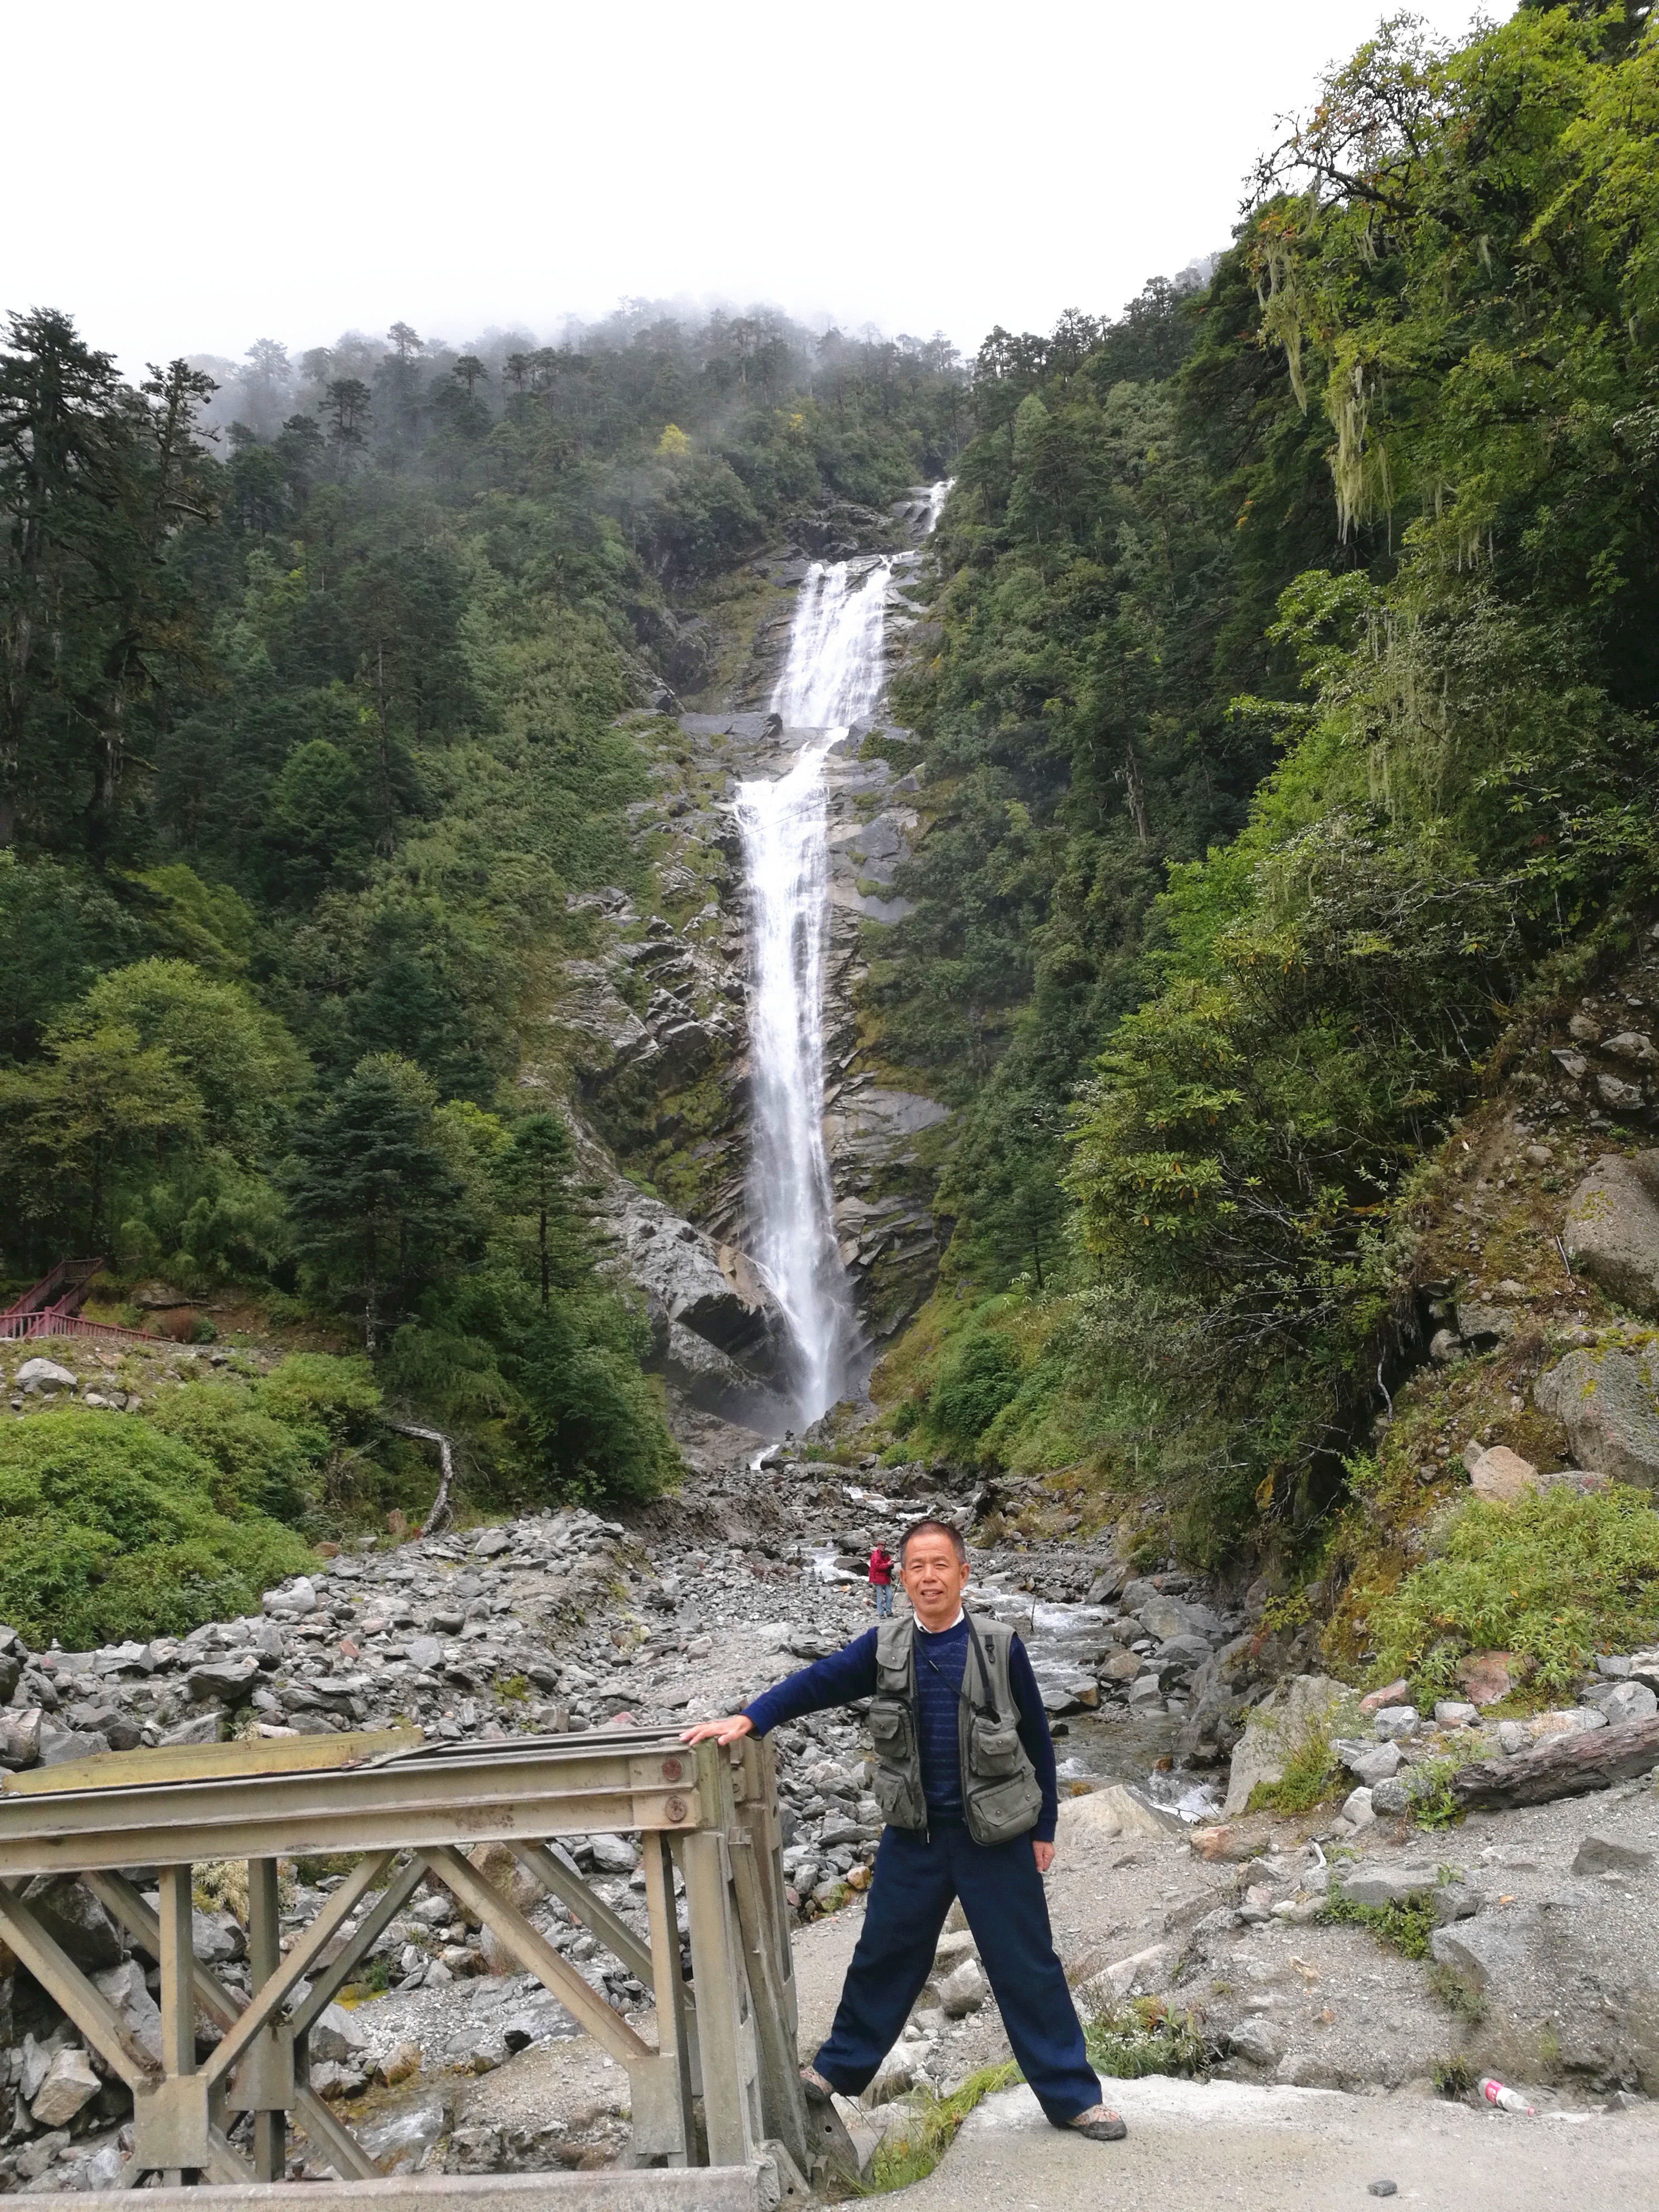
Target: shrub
{"x":1144,"y":2037}
{"x":980,"y":1378}
{"x":258,"y":1464}
{"x":336,"y":1401}
{"x":108,"y":1530}
{"x":1551,"y":1578}
{"x":1404,"y":1928}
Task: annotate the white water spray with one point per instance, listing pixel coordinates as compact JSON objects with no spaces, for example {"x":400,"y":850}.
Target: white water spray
{"x":832,"y":678}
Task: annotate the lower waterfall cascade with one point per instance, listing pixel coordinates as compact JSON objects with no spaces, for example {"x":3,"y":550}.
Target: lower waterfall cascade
{"x":832,"y":680}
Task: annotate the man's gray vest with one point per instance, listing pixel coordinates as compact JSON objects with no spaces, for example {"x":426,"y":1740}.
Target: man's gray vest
{"x":1001,"y":1796}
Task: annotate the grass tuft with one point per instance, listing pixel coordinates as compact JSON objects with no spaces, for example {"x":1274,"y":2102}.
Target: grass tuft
{"x":912,"y":2156}
{"x":1144,"y":2037}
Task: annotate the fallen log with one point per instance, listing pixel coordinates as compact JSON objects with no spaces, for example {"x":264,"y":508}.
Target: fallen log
{"x":1561,"y":1767}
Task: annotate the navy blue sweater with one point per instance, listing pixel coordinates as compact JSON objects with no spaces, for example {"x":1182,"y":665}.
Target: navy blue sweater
{"x":850,"y":1674}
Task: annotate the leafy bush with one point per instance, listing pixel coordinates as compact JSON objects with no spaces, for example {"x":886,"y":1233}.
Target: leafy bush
{"x":1144,"y":2037}
{"x":258,"y":1463}
{"x":1551,"y":1578}
{"x":108,"y":1529}
{"x":1405,"y":1927}
{"x":977,"y":1381}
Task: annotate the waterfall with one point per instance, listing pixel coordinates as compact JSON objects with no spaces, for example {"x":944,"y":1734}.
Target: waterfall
{"x":832,"y":678}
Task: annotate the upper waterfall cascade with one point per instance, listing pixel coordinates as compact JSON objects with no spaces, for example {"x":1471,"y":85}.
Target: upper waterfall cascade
{"x":832,"y":678}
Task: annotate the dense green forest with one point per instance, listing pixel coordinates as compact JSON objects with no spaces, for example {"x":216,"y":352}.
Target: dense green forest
{"x":309,"y":679}
{"x":1287,"y":704}
{"x":1290,"y":709}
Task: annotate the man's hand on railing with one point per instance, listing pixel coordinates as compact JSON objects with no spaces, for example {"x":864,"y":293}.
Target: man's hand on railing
{"x":724,"y":1732}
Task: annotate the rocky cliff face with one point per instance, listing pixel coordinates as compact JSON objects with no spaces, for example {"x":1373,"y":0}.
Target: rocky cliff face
{"x":649,"y":1033}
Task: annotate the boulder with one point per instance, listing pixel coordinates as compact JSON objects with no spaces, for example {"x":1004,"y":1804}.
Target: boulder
{"x":228,"y":1680}
{"x":75,"y":1918}
{"x":963,"y":1990}
{"x":19,"y":1737}
{"x":1612,"y":1230}
{"x":1276,"y":1730}
{"x":70,"y":2083}
{"x":1119,"y":1810}
{"x":1608,"y":1854}
{"x":337,"y":2036}
{"x":1605,"y":1399}
{"x":613,"y":1854}
{"x":1486,"y":1676}
{"x":1369,"y":1763}
{"x":1497,"y":1473}
{"x":42,"y":1377}
{"x":1628,"y":1701}
{"x":1393,"y":1722}
{"x":1490,"y":1949}
{"x":124,"y":1988}
{"x":1383,"y":1885}
{"x":1257,"y":2042}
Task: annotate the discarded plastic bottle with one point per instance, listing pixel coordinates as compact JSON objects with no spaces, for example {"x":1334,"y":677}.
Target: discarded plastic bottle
{"x":1507,"y":2100}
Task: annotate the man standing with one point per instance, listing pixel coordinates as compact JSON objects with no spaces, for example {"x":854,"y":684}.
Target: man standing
{"x":881,"y":1579}
{"x":965,"y":1780}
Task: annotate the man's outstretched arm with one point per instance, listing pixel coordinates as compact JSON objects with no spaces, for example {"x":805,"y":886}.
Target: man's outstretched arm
{"x":839,"y":1680}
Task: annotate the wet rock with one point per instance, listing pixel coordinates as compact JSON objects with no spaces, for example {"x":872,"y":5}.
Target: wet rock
{"x":1605,"y":1399}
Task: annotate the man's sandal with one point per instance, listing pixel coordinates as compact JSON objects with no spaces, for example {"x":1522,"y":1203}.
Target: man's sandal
{"x":1099,"y":2126}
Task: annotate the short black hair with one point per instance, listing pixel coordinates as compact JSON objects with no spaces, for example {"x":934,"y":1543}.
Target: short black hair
{"x":937,"y":1528}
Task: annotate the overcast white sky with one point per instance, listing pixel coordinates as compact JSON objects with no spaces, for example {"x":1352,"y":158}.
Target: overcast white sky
{"x":185,"y":181}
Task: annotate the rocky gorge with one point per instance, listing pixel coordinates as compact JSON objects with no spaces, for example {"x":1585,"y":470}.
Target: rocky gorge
{"x":1364,"y":1944}
{"x":650,"y":1035}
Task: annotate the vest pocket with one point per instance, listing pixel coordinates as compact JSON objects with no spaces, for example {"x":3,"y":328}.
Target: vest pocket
{"x":1005,"y":1810}
{"x":891,"y":1733}
{"x":993,"y":1748}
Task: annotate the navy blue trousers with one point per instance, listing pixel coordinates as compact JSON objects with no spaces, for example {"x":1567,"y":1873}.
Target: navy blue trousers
{"x":1001,"y":1893}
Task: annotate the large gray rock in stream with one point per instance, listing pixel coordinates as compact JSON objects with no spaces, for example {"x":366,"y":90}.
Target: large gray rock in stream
{"x":1612,"y":1230}
{"x":1605,"y":1399}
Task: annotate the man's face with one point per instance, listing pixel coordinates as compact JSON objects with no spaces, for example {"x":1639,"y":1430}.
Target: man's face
{"x":933,"y":1578}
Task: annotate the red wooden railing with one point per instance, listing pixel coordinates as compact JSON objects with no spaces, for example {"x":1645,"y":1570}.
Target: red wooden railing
{"x":51,"y":1308}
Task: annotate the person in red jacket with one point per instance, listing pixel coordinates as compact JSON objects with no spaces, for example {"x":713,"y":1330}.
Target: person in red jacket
{"x":881,"y":1579}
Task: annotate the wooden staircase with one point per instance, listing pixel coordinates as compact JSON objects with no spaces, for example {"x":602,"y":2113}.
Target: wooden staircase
{"x":51,"y":1307}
